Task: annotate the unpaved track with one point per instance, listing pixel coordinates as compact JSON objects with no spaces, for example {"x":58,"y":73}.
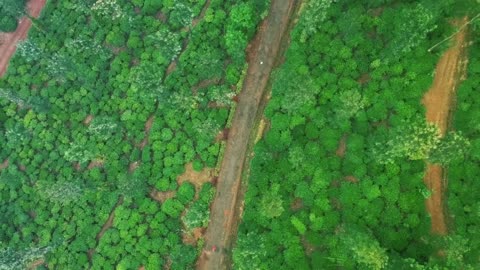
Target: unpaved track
{"x":438,"y":103}
{"x":8,"y":41}
{"x":225,"y":209}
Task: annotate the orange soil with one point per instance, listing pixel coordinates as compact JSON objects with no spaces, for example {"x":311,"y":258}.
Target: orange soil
{"x":4,"y":164}
{"x":351,"y":179}
{"x":438,"y":101}
{"x":194,"y":177}
{"x":342,"y":147}
{"x":88,"y":120}
{"x":10,"y":40}
{"x":161,"y":196}
{"x":108,"y":224}
{"x":109,"y":221}
{"x":133,"y":166}
{"x":191,"y":238}
{"x":147,"y":127}
{"x":190,"y":175}
{"x":98,"y":163}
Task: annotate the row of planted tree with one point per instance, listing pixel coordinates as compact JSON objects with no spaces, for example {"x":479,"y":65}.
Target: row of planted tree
{"x":91,"y":119}
{"x":337,"y":180}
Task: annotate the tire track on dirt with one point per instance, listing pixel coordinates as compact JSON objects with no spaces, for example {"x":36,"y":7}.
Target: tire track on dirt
{"x":226,"y":208}
{"x":438,"y":102}
{"x":8,"y":41}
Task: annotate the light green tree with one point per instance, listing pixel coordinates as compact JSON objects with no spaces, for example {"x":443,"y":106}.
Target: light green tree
{"x":11,"y":259}
{"x":60,"y":192}
{"x":271,"y":204}
{"x":249,"y":252}
{"x":365,"y":249}
{"x":351,"y":102}
{"x":418,"y":140}
{"x":315,"y":13}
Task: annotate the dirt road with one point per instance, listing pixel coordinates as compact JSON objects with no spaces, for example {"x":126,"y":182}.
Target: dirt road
{"x":438,"y":103}
{"x":225,"y":212}
{"x":8,"y":41}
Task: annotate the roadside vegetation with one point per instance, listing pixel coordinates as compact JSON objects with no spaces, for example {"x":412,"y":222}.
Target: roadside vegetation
{"x":10,"y":12}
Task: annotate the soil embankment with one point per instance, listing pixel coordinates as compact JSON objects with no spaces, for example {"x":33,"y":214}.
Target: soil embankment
{"x":225,"y":211}
{"x":438,"y":102}
{"x":8,"y":41}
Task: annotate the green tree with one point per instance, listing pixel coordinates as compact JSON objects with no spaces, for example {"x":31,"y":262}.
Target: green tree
{"x":10,"y":12}
{"x":365,"y":249}
{"x":418,"y":140}
{"x":180,"y":15}
{"x":11,"y":259}
{"x":166,"y":42}
{"x":315,"y":13}
{"x":407,"y":27}
{"x":196,"y":216}
{"x":351,"y":102}
{"x":108,"y":10}
{"x":271,"y":204}
{"x":249,"y":252}
{"x":452,"y":147}
{"x":60,"y":192}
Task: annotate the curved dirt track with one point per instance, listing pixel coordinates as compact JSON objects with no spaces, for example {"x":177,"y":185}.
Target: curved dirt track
{"x":225,"y":211}
{"x":8,"y":41}
{"x":438,"y":103}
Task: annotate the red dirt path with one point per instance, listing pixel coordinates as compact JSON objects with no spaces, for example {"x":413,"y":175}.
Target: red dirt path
{"x":226,"y":208}
{"x":438,"y":103}
{"x":8,"y":41}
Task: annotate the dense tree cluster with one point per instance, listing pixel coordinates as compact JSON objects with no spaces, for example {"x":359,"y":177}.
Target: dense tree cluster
{"x":463,"y":203}
{"x":10,"y":12}
{"x":74,"y":111}
{"x":337,"y":180}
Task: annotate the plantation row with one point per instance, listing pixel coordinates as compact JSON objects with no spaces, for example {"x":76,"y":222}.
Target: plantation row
{"x":463,"y":203}
{"x":337,"y":180}
{"x":92,"y":119}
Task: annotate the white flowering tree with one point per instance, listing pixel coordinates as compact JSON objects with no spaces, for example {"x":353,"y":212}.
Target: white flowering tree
{"x":167,"y":42}
{"x":421,"y":141}
{"x":351,"y":102}
{"x":60,"y":192}
{"x":108,"y":9}
{"x":11,"y":259}
{"x":315,"y":13}
{"x":77,"y":152}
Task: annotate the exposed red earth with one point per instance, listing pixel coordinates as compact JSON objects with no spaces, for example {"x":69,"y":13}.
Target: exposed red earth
{"x":438,"y":102}
{"x":227,"y":206}
{"x":9,"y":41}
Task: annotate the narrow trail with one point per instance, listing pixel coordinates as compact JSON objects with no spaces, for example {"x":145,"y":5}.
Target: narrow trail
{"x":438,"y":102}
{"x":8,"y":41}
{"x":173,"y":64}
{"x":226,"y":208}
{"x":107,"y":225}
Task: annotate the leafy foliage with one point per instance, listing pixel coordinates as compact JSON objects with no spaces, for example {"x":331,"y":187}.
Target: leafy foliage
{"x":90,"y":114}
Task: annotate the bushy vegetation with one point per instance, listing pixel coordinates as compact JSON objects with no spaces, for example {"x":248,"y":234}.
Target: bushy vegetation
{"x":463,"y":203}
{"x":10,"y":12}
{"x":355,"y":72}
{"x":73,"y":111}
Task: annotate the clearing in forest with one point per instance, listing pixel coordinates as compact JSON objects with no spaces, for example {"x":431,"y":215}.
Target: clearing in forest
{"x":225,"y":210}
{"x":438,"y":104}
{"x":8,"y":41}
